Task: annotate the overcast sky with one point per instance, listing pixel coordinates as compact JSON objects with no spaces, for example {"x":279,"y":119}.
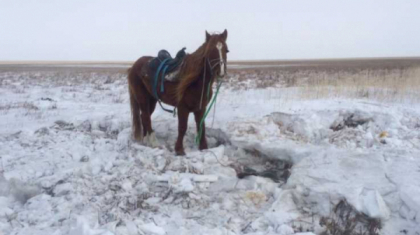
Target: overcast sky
{"x":127,"y":29}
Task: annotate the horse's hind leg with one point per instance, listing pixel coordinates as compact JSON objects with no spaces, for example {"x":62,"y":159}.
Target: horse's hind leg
{"x":135,"y":113}
{"x":137,"y":93}
{"x":150,"y":136}
{"x":183,"y":114}
{"x":142,"y":107}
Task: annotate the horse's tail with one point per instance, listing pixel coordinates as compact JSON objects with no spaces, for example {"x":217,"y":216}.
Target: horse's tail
{"x":134,"y":80}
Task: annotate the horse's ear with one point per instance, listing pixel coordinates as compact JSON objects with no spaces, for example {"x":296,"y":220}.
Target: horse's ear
{"x":207,"y":36}
{"x":224,"y":35}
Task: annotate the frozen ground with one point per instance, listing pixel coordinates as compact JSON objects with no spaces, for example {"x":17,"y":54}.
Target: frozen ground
{"x":69,"y":166}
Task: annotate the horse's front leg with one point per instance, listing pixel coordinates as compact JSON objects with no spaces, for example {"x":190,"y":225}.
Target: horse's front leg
{"x":183,"y":114}
{"x":198,"y":116}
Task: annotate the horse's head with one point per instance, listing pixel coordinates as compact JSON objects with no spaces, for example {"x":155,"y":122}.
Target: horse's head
{"x":216,"y":52}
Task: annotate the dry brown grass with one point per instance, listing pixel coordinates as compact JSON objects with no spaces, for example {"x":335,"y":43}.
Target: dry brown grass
{"x":389,"y":80}
{"x":380,"y":85}
{"x":345,"y":220}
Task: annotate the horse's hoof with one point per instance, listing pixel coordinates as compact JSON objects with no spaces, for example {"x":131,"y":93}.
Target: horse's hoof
{"x":180,"y":153}
{"x":151,"y":140}
{"x":203,"y":148}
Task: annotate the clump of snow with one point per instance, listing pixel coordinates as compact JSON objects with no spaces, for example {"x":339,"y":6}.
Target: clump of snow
{"x":180,"y":184}
{"x":152,"y":229}
{"x":373,"y":205}
{"x":83,"y":228}
{"x":5,"y":210}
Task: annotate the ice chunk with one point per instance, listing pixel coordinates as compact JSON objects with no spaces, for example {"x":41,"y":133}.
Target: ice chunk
{"x":151,"y":228}
{"x":374,"y":205}
{"x":83,"y":228}
{"x":63,"y":189}
{"x":180,"y":183}
{"x":285,"y":230}
{"x":4,"y":209}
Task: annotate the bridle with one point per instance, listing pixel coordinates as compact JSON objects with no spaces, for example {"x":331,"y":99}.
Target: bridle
{"x":211,"y":64}
{"x":218,"y":61}
{"x":208,"y":62}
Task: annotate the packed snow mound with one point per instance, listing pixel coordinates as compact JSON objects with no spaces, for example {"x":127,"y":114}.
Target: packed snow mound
{"x":365,"y":158}
{"x":333,"y":175}
{"x":348,"y":128}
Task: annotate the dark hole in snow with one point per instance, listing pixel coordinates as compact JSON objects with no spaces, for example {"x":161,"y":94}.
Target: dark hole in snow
{"x":49,"y":190}
{"x":220,"y":136}
{"x":277,"y":175}
{"x":351,"y":121}
{"x":109,"y":130}
{"x":85,"y":126}
{"x":114,"y":133}
{"x":42,"y":131}
{"x":103,"y":128}
{"x":274,"y":169}
{"x":114,"y":187}
{"x":84,"y":159}
{"x":47,"y":99}
{"x":63,"y":125}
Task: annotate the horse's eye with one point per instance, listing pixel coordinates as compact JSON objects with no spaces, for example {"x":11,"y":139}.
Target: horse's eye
{"x":227,"y":51}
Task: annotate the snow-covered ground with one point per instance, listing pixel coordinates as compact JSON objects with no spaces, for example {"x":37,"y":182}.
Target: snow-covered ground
{"x":69,"y":165}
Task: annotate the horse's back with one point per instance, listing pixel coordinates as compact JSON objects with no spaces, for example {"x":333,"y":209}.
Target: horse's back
{"x":140,"y":62}
{"x":136,"y":68}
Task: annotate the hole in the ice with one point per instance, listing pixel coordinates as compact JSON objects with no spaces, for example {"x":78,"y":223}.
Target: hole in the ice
{"x":220,"y":137}
{"x":47,"y":99}
{"x":63,"y":125}
{"x":350,"y":121}
{"x":257,"y":164}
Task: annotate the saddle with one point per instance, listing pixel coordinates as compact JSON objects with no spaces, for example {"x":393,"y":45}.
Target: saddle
{"x":164,"y":67}
{"x":165,"y":60}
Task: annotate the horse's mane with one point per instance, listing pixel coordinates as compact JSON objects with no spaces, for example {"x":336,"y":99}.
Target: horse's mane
{"x":190,"y":71}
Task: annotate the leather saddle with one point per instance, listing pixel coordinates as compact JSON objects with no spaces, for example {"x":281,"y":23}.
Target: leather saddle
{"x":164,"y":67}
{"x":164,"y":59}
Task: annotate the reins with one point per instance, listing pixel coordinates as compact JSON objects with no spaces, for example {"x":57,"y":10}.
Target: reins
{"x":219,"y":84}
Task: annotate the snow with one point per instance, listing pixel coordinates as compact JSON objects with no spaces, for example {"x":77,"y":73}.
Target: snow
{"x":69,"y":165}
{"x":150,"y":228}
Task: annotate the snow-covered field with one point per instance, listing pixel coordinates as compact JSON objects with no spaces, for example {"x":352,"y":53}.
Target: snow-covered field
{"x":69,"y":166}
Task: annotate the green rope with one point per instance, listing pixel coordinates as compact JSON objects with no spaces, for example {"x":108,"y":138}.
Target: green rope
{"x":200,"y":132}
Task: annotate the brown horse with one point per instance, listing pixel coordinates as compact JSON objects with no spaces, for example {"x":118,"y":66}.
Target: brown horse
{"x":199,"y":71}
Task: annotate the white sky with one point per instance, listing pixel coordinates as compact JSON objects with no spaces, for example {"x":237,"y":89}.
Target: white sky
{"x":127,"y":29}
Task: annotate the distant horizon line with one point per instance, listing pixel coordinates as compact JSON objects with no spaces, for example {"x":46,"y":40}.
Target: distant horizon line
{"x":22,"y":62}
